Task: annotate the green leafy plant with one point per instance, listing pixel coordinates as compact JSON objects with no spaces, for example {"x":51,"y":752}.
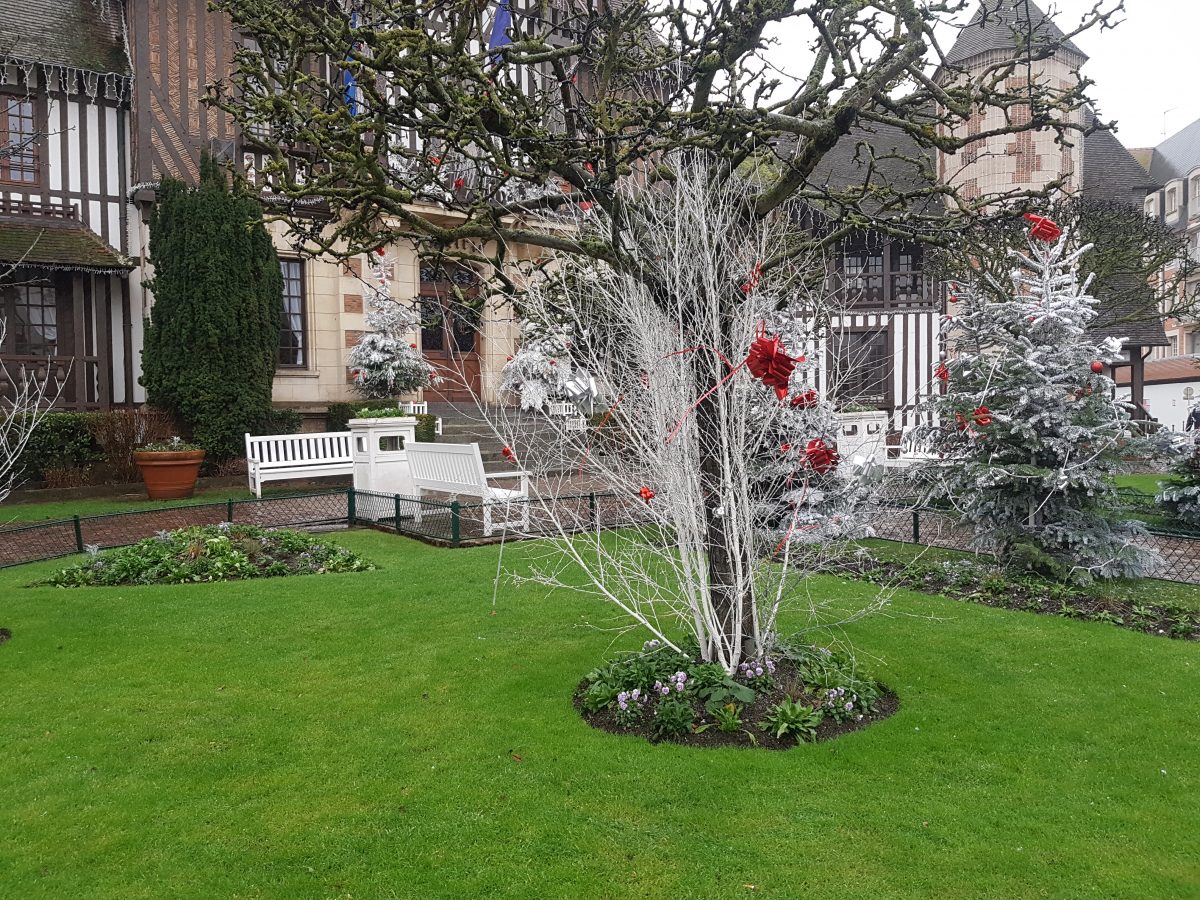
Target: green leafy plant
{"x":792,"y":718}
{"x":173,"y":445}
{"x":710,"y":683}
{"x":426,"y":428}
{"x":728,"y":718}
{"x":673,"y":717}
{"x":281,"y":421}
{"x":222,"y":552}
{"x":61,"y":441}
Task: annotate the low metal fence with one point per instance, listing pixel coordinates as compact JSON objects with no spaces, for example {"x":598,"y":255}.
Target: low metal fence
{"x":62,"y":537}
{"x":1179,"y":548}
{"x":452,"y":523}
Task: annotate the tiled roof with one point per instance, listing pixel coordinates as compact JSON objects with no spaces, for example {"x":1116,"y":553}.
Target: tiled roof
{"x":889,"y":155}
{"x":1002,"y":25}
{"x":1110,"y":172}
{"x":1128,"y":310}
{"x":49,"y":243}
{"x":1177,"y":155}
{"x":76,"y":34}
{"x":1159,"y":371}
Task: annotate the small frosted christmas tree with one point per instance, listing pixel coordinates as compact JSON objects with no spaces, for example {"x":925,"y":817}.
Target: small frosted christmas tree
{"x":384,"y":362}
{"x":1028,"y":432}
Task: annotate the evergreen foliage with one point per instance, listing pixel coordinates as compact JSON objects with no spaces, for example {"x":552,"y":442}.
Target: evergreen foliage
{"x":1181,"y":495}
{"x":1029,"y":434}
{"x":213,"y":340}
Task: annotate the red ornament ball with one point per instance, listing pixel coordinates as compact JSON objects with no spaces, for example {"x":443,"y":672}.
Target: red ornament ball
{"x":413,"y":346}
{"x":1097,"y":366}
{"x":508,"y":454}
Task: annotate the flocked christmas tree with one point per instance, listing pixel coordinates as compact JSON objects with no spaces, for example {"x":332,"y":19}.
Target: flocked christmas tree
{"x":1028,"y":433}
{"x":384,"y":362}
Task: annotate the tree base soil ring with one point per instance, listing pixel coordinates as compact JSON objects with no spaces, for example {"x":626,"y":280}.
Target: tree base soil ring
{"x":706,"y":731}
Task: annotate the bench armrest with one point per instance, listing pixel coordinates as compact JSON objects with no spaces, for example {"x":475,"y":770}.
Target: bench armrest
{"x":511,"y":473}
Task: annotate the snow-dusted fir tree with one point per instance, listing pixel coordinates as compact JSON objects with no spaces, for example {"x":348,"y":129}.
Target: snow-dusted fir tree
{"x":385,"y":362}
{"x":1028,"y":434}
{"x":1180,"y":495}
{"x":709,"y":426}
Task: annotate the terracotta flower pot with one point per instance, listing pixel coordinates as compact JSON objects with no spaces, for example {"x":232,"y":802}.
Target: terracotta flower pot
{"x":169,"y":474}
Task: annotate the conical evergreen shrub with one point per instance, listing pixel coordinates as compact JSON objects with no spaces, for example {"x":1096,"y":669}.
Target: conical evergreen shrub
{"x":213,"y":339}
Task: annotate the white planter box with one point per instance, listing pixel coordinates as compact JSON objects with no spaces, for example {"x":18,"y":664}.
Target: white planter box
{"x":380,"y":458}
{"x":862,"y":435}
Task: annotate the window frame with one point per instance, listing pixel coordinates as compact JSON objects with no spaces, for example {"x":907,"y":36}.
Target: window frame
{"x":883,"y":332}
{"x":284,"y":312}
{"x":886,"y":296}
{"x":37,"y":118}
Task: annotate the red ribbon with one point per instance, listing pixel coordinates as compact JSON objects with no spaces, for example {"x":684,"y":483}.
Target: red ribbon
{"x":820,"y":456}
{"x":1043,"y":229}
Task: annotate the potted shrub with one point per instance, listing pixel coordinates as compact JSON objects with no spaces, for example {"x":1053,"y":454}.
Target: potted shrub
{"x":169,"y":469}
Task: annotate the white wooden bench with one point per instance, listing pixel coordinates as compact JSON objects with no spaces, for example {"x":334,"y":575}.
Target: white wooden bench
{"x":275,"y":457}
{"x":457,"y":469}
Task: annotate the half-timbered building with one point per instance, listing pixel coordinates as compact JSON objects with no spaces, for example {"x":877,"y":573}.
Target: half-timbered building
{"x":65,"y":287}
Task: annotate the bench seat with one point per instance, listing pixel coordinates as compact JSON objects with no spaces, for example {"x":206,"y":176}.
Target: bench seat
{"x":277,"y":457}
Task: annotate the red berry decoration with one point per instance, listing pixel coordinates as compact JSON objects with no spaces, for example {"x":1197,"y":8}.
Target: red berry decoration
{"x":1043,"y":229}
{"x":413,"y":346}
{"x":646,"y":494}
{"x":982,"y":416}
{"x":508,"y":359}
{"x":769,"y":362}
{"x":554,"y":362}
{"x":1097,"y":366}
{"x":954,"y":298}
{"x":380,"y":251}
{"x":820,"y":456}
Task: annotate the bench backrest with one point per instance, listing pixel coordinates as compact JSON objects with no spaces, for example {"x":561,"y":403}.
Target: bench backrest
{"x":282,"y":450}
{"x":450,"y":468}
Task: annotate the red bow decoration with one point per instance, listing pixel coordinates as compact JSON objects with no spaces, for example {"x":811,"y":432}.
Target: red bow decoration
{"x":769,"y":363}
{"x":807,"y":400}
{"x":1043,"y":229}
{"x":982,"y":416}
{"x":508,"y":454}
{"x":821,"y":457}
{"x":941,"y":372}
{"x":646,"y":494}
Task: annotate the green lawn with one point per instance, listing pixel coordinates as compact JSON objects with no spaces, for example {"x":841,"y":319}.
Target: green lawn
{"x":384,"y":735}
{"x":16,"y":512}
{"x":1145,"y":484}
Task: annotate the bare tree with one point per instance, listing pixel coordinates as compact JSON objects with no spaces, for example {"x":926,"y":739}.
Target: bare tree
{"x":24,"y":401}
{"x":434,"y":124}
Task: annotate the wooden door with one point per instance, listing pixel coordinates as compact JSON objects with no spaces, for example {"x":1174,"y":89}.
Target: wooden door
{"x":450,"y":332}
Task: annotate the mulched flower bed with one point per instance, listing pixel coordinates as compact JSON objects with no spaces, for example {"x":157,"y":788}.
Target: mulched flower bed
{"x":971,"y":582}
{"x":818,"y":688}
{"x":224,"y":552}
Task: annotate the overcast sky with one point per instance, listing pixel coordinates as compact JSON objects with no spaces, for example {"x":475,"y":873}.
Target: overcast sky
{"x":1142,"y":68}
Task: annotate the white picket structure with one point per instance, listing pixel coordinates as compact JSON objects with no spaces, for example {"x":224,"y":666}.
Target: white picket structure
{"x":457,"y":469}
{"x":275,"y":457}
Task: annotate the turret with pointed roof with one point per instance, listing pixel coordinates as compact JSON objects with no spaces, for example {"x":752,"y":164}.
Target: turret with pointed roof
{"x":1005,"y":25}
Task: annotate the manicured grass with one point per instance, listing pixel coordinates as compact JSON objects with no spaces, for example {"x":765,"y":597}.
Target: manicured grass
{"x":383,"y":734}
{"x":15,"y":512}
{"x":1144,"y":484}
